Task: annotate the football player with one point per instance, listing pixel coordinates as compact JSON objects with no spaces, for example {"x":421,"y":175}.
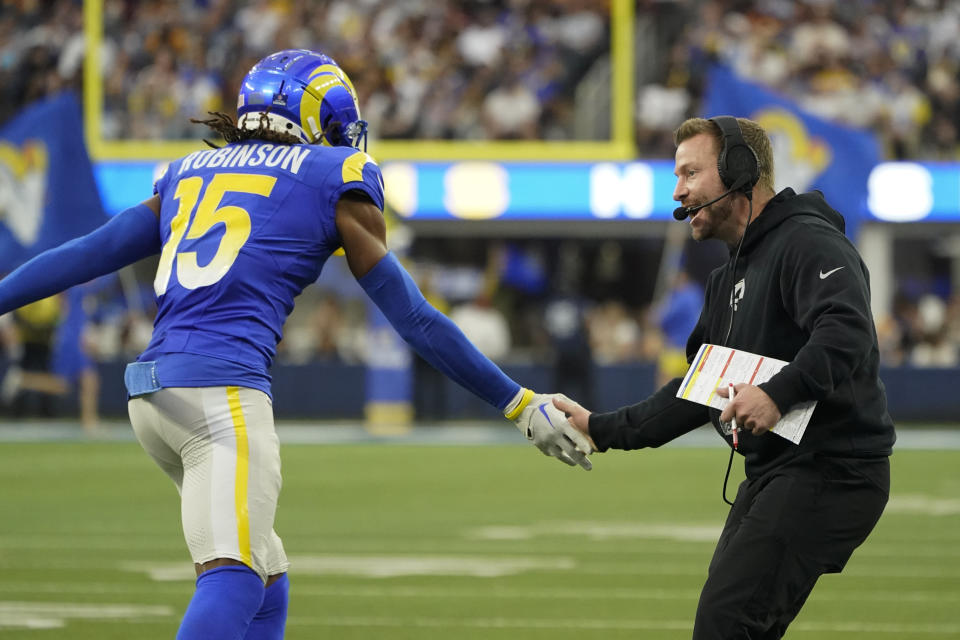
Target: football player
{"x":241,"y":230}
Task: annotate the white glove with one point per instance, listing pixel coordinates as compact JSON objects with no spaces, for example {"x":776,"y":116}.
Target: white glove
{"x":547,"y":427}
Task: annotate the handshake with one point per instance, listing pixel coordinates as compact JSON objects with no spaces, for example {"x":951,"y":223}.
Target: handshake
{"x":548,"y":428}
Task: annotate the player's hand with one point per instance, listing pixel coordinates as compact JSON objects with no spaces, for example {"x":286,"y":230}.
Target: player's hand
{"x":548,"y":429}
{"x":754,"y":410}
{"x":576,"y":416}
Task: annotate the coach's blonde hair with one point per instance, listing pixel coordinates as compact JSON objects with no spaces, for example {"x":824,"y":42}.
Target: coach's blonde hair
{"x":753,"y":134}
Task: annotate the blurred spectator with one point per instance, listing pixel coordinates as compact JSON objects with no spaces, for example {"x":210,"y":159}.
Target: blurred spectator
{"x":30,"y":387}
{"x":41,"y":50}
{"x":898,"y":333}
{"x":564,"y":319}
{"x":565,"y":322}
{"x":73,"y":354}
{"x":676,"y":317}
{"x":934,"y":348}
{"x":484,"y":325}
{"x":314,"y":329}
{"x":615,"y":336}
{"x":481,"y":43}
{"x":511,"y":111}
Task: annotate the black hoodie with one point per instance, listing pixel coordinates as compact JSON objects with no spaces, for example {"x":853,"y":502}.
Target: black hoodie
{"x":803,"y":295}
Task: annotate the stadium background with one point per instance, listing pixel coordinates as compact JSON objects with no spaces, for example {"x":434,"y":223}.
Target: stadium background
{"x":526,"y":147}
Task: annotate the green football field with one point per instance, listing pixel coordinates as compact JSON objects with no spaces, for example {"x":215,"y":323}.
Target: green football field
{"x":438,"y":541}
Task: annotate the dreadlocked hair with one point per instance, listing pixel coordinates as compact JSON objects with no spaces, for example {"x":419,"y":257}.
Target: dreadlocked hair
{"x":225,"y":125}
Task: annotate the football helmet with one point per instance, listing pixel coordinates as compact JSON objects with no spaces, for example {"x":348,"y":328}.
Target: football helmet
{"x":303,"y":93}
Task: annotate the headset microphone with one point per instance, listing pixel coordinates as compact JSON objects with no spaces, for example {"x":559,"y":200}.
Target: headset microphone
{"x":681,"y":213}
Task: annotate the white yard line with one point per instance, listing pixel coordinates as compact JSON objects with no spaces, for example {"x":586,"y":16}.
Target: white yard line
{"x":55,"y":615}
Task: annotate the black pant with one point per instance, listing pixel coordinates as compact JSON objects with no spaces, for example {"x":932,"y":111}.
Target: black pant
{"x":785,"y":530}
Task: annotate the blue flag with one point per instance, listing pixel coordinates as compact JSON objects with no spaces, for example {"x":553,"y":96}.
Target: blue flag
{"x":808,"y":152}
{"x":47,"y":190}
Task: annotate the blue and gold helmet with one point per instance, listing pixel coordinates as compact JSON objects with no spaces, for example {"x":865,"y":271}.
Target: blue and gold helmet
{"x":303,"y":93}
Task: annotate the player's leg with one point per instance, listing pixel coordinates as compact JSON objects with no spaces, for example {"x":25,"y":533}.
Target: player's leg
{"x":231,"y":482}
{"x":145,"y":419}
{"x":236,"y":462}
{"x":782,"y":534}
{"x":162,"y":424}
{"x":270,"y":621}
{"x":162,"y":439}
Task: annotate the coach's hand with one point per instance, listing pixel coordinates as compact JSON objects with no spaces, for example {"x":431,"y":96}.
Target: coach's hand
{"x":754,"y":410}
{"x":576,"y":416}
{"x":548,"y":429}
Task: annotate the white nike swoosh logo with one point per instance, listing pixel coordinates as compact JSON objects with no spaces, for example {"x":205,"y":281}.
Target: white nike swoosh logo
{"x":823,"y":275}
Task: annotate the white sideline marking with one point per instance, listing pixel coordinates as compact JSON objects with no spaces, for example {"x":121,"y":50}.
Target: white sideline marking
{"x":595,"y":624}
{"x":387,"y":566}
{"x":923,"y":504}
{"x":602,"y":531}
{"x":384,"y":566}
{"x":54,"y":615}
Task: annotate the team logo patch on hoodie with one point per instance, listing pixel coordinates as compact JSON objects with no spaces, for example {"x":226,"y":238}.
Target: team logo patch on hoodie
{"x":737,"y":294}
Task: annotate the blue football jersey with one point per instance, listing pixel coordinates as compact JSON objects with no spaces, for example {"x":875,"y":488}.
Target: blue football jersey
{"x":244,"y":229}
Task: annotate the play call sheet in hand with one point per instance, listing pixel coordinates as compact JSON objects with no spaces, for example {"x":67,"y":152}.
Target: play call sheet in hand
{"x":716,"y":365}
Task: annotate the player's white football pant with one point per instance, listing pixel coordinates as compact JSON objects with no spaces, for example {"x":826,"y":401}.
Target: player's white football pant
{"x":219,"y":446}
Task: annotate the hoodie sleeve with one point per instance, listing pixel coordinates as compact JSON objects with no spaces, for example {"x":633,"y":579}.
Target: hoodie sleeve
{"x":657,"y":420}
{"x":825,"y":289}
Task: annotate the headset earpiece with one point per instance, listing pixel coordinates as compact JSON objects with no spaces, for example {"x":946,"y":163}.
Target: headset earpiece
{"x":737,"y":158}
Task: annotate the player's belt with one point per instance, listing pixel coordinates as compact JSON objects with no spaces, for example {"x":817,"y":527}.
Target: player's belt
{"x":141,"y":378}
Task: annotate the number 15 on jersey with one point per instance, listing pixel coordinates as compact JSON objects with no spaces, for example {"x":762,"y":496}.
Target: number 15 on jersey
{"x":190,"y":225}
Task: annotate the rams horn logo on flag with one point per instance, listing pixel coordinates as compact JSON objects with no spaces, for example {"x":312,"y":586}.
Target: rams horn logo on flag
{"x":798,"y":156}
{"x":23,"y":185}
{"x":48,"y":194}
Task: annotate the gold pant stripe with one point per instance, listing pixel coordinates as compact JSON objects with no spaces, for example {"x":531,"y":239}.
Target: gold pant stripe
{"x":243,"y":467}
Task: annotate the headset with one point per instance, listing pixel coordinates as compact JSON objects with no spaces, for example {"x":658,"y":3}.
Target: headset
{"x":737,"y":165}
{"x":737,"y":162}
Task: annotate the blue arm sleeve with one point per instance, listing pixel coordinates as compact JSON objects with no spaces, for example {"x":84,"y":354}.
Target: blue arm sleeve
{"x":434,"y":336}
{"x":127,"y":237}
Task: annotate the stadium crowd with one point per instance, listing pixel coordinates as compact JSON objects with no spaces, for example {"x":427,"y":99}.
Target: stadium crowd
{"x":474,"y":70}
{"x":890,"y":66}
{"x":508,"y":69}
{"x":505,"y":69}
